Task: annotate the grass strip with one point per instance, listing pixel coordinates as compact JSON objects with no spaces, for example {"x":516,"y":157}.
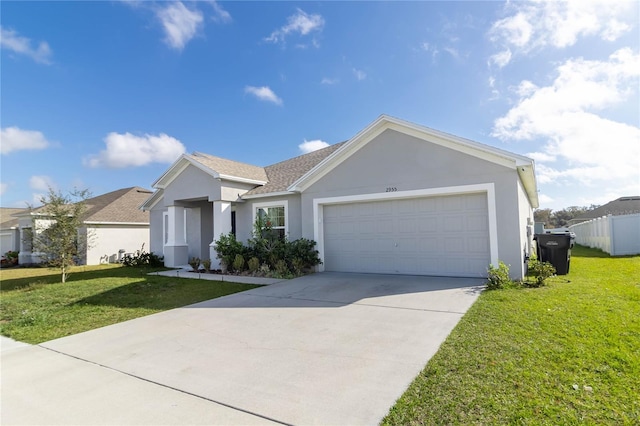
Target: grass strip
{"x":567,"y":353}
{"x":36,"y":307}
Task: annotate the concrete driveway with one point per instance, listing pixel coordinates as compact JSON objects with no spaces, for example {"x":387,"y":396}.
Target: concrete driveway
{"x":323,"y":349}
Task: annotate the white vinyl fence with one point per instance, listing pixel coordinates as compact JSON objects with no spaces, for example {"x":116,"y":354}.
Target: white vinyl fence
{"x":616,"y":235}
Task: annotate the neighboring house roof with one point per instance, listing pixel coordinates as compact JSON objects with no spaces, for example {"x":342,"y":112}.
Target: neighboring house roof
{"x":7,"y":221}
{"x":619,"y":207}
{"x":281,"y":175}
{"x":120,"y":206}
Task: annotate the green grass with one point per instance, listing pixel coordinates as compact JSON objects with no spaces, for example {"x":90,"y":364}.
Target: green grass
{"x":515,"y":357}
{"x":36,"y":307}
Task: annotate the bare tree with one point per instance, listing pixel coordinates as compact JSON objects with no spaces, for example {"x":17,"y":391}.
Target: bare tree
{"x":56,"y":237}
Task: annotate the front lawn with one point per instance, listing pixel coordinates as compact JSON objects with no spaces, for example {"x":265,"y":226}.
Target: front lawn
{"x":568,"y":353}
{"x":36,"y":307}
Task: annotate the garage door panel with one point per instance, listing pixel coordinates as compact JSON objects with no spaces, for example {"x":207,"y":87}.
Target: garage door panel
{"x":446,"y":235}
{"x":478,"y":245}
{"x":475,"y":202}
{"x":453,"y":223}
{"x":477,"y":222}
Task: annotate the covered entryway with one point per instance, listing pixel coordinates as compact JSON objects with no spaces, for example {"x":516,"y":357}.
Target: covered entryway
{"x":437,"y":235}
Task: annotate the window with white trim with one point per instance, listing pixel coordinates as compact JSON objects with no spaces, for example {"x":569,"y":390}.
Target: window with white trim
{"x":274,"y":215}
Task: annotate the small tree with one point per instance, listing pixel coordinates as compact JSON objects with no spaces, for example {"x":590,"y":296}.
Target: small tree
{"x":57,"y":241}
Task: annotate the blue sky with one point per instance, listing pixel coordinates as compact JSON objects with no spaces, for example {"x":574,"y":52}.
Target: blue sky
{"x":106,"y":95}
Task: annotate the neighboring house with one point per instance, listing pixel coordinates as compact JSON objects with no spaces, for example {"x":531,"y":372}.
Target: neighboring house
{"x":619,"y":207}
{"x":9,"y":231}
{"x":114,"y":225}
{"x":397,"y":198}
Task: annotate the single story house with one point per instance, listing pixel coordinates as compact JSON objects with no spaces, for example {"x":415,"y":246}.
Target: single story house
{"x":113,"y":225}
{"x":9,"y":231}
{"x":397,"y":198}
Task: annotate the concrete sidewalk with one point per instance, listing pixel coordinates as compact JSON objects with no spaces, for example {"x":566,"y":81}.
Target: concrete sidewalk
{"x":183,"y":273}
{"x":321,"y":349}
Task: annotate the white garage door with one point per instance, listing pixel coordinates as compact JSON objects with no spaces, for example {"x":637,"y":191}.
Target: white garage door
{"x":447,"y":235}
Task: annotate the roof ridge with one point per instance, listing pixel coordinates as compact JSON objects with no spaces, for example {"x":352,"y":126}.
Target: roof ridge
{"x":317,"y":151}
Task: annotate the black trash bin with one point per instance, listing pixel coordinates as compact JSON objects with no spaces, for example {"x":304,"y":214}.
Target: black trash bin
{"x":555,"y":249}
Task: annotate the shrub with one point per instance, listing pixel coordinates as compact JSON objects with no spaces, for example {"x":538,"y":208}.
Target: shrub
{"x":254,"y":264}
{"x":194,"y":262}
{"x":142,"y":258}
{"x":11,"y":257}
{"x":541,"y":271}
{"x":281,"y":269}
{"x":278,"y":253}
{"x":227,"y":248}
{"x":238,"y":263}
{"x":498,"y":277}
{"x":206,"y":264}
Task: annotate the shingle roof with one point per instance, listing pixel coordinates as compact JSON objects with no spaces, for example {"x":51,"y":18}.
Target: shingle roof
{"x":6,"y":217}
{"x":230,"y":167}
{"x":120,"y":206}
{"x":282,"y":175}
{"x":619,"y":207}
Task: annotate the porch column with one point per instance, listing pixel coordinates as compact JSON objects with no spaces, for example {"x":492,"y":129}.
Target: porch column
{"x":176,"y":251}
{"x":221,"y":225}
{"x":24,"y":255}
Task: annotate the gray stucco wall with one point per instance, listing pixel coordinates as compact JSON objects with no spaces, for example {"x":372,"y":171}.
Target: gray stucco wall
{"x":404,"y":162}
{"x":526,"y":231}
{"x":191,"y":184}
{"x":155,"y":228}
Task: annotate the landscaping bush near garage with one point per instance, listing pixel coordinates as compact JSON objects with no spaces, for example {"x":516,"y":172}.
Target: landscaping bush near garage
{"x":267,"y":255}
{"x":564,"y":353}
{"x":36,"y":307}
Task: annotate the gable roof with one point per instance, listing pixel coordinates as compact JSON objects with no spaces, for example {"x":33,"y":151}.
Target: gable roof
{"x":281,"y":175}
{"x":7,"y":220}
{"x":523,"y":165}
{"x":618,"y":207}
{"x":216,"y":167}
{"x":120,"y":206}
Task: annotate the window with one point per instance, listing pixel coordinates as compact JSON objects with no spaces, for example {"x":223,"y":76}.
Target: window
{"x":275,"y":216}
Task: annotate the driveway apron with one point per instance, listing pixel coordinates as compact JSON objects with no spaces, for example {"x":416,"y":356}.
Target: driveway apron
{"x":328,"y":348}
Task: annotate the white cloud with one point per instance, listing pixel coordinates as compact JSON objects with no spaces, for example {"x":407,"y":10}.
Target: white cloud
{"x":300,"y":23}
{"x":220,"y":15}
{"x":179,"y":23}
{"x":452,"y":51}
{"x":3,"y":187}
{"x":127,"y":150}
{"x":16,"y":139}
{"x":588,"y":147}
{"x":310,"y":146}
{"x":501,"y":59}
{"x":329,"y":81}
{"x":536,"y":24}
{"x":360,"y":75}
{"x":541,"y":156}
{"x":545,"y":199}
{"x":41,"y":183}
{"x":263,"y":93}
{"x":9,"y":39}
